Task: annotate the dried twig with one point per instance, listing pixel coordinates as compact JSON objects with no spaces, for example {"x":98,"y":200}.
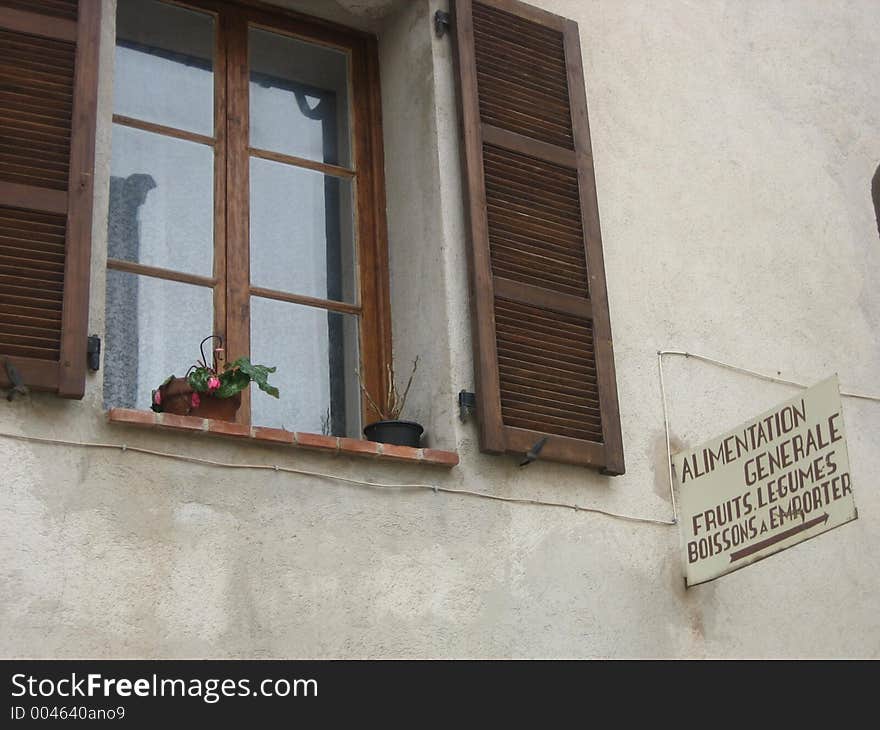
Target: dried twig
{"x":394,"y":402}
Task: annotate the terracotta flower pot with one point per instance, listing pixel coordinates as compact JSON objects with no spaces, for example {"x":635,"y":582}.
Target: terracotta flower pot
{"x":177,"y":398}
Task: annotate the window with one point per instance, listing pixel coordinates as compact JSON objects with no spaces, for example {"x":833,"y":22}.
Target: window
{"x":542,"y":333}
{"x":245,"y":200}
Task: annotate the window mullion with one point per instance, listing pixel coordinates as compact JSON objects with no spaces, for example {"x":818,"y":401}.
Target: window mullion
{"x":235,"y":30}
{"x":220,"y":120}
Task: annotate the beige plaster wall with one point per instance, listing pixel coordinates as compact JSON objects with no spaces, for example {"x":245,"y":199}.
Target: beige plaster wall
{"x":734,"y":145}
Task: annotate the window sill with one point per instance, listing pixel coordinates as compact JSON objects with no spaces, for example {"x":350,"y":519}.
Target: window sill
{"x":276,"y":436}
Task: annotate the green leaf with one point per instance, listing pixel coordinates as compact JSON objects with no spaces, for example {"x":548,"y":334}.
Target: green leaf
{"x":232,"y":382}
{"x":257,"y":373}
{"x":198,"y":379}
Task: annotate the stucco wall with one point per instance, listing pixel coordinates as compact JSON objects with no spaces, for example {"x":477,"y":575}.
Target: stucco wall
{"x":734,"y":146}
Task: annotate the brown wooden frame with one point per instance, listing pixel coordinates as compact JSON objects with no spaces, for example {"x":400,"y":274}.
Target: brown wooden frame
{"x":496,"y":436}
{"x":231,"y":278}
{"x":67,"y":375}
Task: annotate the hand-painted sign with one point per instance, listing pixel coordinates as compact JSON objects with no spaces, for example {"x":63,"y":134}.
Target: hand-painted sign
{"x":765,"y":486}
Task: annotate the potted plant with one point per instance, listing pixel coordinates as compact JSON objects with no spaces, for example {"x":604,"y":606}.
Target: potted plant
{"x":211,"y":391}
{"x":390,"y":429}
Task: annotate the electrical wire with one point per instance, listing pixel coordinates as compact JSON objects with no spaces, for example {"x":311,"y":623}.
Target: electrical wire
{"x":435,"y":488}
{"x":357,"y":482}
{"x":756,"y":374}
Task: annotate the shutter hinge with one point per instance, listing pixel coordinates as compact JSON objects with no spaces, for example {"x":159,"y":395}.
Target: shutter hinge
{"x":467,"y":404}
{"x":93,"y":353}
{"x":442,"y":23}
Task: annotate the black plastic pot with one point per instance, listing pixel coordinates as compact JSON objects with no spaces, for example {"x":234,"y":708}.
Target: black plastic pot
{"x":400,"y":433}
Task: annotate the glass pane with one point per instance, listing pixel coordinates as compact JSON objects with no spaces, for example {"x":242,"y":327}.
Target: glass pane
{"x":316,"y":353}
{"x":164,"y":67}
{"x":302,"y":232}
{"x":161,"y":201}
{"x":153,"y":330}
{"x":299,"y":98}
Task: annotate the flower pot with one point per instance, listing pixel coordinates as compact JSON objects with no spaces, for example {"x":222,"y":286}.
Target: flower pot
{"x":220,"y":409}
{"x":400,"y":433}
{"x":177,"y":398}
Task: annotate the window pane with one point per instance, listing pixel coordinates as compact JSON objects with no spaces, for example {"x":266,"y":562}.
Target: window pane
{"x":302,"y":232}
{"x":299,"y":98}
{"x":153,"y":330}
{"x":161,"y":201}
{"x":164,"y":67}
{"x":316,"y":353}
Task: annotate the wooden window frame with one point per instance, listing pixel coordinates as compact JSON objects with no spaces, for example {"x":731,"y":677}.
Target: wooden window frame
{"x":230,"y":282}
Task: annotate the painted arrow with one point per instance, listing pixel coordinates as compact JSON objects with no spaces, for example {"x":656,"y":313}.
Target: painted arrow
{"x":751,"y":549}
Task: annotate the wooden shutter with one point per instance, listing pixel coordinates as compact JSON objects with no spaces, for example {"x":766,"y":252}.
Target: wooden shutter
{"x":542,"y":334}
{"x":48,"y":97}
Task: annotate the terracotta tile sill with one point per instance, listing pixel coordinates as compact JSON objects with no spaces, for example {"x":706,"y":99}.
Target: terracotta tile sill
{"x":318,"y":442}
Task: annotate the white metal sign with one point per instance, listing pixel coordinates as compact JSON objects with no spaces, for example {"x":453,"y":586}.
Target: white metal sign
{"x":774,"y":481}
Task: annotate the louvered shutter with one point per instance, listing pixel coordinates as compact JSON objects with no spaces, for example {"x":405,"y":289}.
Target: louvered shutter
{"x":543,"y":352}
{"x":48,"y":96}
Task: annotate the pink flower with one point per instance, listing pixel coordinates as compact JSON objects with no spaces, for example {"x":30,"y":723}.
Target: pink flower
{"x":213,"y":383}
{"x":157,"y":397}
{"x":195,"y":400}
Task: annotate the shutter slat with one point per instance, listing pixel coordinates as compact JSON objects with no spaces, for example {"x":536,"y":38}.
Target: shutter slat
{"x":46,"y":339}
{"x":56,"y":127}
{"x":540,"y":245}
{"x":27,"y":288}
{"x":28,"y":322}
{"x":574,"y":363}
{"x":39,"y":353}
{"x":542,"y":336}
{"x":32,"y":251}
{"x":39,"y":104}
{"x":24,"y":157}
{"x":47,"y":61}
{"x":523,"y":406}
{"x":537,"y":107}
{"x":35,"y":120}
{"x":519,"y":181}
{"x":57,"y":8}
{"x":516,"y":339}
{"x":524,"y":392}
{"x":503,"y":48}
{"x":19,"y":233}
{"x":539,"y":253}
{"x":558,"y":430}
{"x":514,"y":327}
{"x":553,"y":394}
{"x":547,"y":366}
{"x":11,"y":310}
{"x":51,"y":47}
{"x":30,"y":299}
{"x":523,"y":23}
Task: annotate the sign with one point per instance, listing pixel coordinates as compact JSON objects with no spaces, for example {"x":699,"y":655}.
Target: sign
{"x":765,"y":486}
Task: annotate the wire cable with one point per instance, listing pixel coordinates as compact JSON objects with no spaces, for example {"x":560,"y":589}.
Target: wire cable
{"x":357,"y":482}
{"x":756,"y":374}
{"x":435,"y":488}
